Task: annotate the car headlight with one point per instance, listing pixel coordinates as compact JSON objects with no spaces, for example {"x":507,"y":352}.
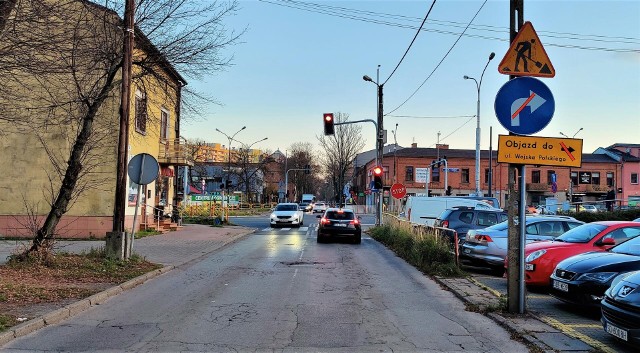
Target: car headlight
{"x":534,"y":255}
{"x":273,"y":216}
{"x":602,"y":277}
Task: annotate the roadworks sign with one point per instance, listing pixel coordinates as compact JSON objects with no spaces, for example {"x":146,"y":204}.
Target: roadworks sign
{"x":526,"y":56}
{"x":540,"y":151}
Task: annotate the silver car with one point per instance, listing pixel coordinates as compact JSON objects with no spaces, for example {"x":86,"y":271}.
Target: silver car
{"x":286,"y":214}
{"x":488,"y":246}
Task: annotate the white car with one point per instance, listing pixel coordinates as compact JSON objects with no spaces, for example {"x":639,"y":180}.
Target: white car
{"x":286,"y":214}
{"x":319,"y":207}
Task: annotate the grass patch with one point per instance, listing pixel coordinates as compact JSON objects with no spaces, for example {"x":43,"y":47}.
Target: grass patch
{"x":146,"y":233}
{"x":429,"y":254}
{"x":7,"y":321}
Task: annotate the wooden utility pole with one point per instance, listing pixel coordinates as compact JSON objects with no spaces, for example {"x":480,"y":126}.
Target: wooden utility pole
{"x":123,"y":140}
{"x":514,"y":289}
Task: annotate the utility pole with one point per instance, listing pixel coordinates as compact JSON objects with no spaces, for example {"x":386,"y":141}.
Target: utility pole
{"x":120,"y":203}
{"x":515,"y":271}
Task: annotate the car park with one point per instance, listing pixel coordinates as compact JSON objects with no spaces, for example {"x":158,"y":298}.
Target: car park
{"x":319,"y":207}
{"x":488,"y":246}
{"x":286,"y":214}
{"x":621,"y":308}
{"x":464,"y":218}
{"x":541,"y":258}
{"x":583,"y":279}
{"x":339,"y":223}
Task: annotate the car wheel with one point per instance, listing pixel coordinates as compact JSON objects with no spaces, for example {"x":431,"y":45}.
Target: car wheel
{"x":272,"y":226}
{"x":357,"y":239}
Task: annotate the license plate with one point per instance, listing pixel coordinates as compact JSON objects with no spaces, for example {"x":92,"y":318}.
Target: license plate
{"x":616,"y":331}
{"x":529,"y":267}
{"x":466,"y":251}
{"x":340,"y":225}
{"x":560,"y":286}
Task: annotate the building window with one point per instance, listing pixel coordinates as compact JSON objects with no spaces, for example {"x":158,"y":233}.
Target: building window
{"x":609,"y":179}
{"x":595,"y":178}
{"x":465,"y":176}
{"x":550,"y":174}
{"x":435,"y":175}
{"x":535,"y":176}
{"x":164,"y":125}
{"x":408,"y":173}
{"x":486,"y":176}
{"x":634,"y":178}
{"x":141,"y":114}
{"x":574,"y":178}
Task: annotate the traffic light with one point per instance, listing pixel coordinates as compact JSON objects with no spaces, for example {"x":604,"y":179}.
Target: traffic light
{"x":377,"y":177}
{"x":449,"y":189}
{"x":327,"y":119}
{"x":307,"y":169}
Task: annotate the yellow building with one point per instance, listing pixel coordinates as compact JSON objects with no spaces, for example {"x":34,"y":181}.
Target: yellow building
{"x":58,"y":97}
{"x":216,"y":152}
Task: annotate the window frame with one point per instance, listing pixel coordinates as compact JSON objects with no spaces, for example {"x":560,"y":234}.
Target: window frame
{"x":409,"y":173}
{"x":140,"y":113}
{"x":165,"y":124}
{"x":535,"y":176}
{"x":631,"y":178}
{"x":464,"y":176}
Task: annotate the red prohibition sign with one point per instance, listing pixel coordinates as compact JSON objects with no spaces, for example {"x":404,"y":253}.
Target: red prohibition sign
{"x":398,"y":191}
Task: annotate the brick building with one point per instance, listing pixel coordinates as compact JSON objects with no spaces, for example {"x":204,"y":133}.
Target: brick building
{"x":591,"y":182}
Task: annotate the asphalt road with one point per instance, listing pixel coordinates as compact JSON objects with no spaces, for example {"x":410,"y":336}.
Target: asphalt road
{"x":278,"y":290}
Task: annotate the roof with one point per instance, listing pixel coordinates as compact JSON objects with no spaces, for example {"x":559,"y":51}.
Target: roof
{"x":625,"y":145}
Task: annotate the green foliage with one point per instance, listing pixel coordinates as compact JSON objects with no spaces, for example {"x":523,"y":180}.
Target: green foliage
{"x":621,"y":215}
{"x":427,"y":254}
{"x":211,"y":221}
{"x":6,"y":321}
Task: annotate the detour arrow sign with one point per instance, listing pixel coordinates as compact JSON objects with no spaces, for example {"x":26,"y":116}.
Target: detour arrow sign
{"x":540,"y":150}
{"x":398,"y":191}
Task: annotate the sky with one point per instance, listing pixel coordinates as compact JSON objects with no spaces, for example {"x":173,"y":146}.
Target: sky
{"x":300,"y":59}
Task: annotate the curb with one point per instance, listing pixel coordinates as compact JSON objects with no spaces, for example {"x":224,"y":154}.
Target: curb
{"x":76,"y":308}
{"x":528,"y":337}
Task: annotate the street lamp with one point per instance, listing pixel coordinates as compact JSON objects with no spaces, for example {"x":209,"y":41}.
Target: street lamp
{"x":478,"y":84}
{"x":246,"y":158}
{"x":226,"y":183}
{"x":574,"y":135}
{"x":379,"y":140}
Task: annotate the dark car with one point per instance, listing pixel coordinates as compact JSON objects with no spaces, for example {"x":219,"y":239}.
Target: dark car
{"x":583,"y":279}
{"x":462,"y":219}
{"x":339,"y":223}
{"x":621,"y":308}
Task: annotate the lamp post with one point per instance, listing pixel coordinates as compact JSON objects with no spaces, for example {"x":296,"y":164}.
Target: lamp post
{"x":478,"y":85}
{"x":226,"y":183}
{"x":247,"y":148}
{"x":379,"y":140}
{"x":395,"y":163}
{"x":574,"y":135}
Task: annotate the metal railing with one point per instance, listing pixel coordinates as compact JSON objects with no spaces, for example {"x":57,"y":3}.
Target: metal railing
{"x":174,"y":152}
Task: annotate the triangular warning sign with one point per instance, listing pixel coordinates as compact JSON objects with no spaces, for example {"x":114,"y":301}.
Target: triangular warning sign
{"x":526,"y":56}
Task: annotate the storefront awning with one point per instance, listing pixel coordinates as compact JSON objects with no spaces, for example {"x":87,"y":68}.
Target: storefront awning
{"x":166,"y":172}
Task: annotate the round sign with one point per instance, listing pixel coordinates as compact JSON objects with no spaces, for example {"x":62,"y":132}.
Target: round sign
{"x":524,"y":105}
{"x":398,"y":191}
{"x":143,"y":168}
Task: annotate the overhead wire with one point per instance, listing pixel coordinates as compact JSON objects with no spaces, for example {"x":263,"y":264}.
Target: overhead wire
{"x":412,"y":41}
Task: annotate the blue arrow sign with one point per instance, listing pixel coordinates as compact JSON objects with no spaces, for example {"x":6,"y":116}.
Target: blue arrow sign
{"x":524,"y":105}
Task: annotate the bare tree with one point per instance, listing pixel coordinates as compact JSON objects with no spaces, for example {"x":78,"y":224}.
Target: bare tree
{"x":340,"y":149}
{"x":302,"y":155}
{"x":249,"y":171}
{"x":59,"y":65}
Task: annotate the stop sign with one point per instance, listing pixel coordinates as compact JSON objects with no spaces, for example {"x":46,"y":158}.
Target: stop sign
{"x":398,"y":190}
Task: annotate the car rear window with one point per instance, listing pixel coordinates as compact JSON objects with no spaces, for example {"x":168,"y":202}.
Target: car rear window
{"x":466,"y":217}
{"x":340,"y":215}
{"x":487,"y":218}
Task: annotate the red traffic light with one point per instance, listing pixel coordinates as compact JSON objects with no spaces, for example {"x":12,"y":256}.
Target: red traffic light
{"x":327,"y":119}
{"x":377,"y":170}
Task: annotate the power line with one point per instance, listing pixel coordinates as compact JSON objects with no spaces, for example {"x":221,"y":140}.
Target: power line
{"x":431,"y":117}
{"x":353,"y":15}
{"x":456,"y":130}
{"x":412,"y":41}
{"x":442,"y":60}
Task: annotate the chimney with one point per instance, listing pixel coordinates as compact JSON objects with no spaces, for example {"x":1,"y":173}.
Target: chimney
{"x":414,"y":145}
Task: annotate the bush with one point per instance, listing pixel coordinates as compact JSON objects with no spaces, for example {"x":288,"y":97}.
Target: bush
{"x":429,"y":254}
{"x":210,"y":221}
{"x":621,"y":215}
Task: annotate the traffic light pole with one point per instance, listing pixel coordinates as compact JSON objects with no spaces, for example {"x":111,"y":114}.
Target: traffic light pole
{"x":378,"y":160}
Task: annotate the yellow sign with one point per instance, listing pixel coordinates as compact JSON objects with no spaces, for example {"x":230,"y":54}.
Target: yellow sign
{"x":526,"y":56}
{"x":535,"y":150}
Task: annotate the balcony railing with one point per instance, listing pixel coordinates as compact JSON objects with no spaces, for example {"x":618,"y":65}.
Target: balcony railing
{"x":173,"y":152}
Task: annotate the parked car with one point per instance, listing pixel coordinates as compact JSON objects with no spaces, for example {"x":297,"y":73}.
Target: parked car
{"x":541,"y":258}
{"x":286,"y":214}
{"x":339,"y":223}
{"x":636,"y":220}
{"x":621,"y":308}
{"x":319,"y":207}
{"x":464,"y":218}
{"x":488,"y":246}
{"x":588,"y":208}
{"x":424,"y":209}
{"x":583,"y":279}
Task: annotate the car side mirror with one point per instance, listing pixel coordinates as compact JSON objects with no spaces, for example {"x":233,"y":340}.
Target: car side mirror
{"x":607,"y":241}
{"x":318,"y":216}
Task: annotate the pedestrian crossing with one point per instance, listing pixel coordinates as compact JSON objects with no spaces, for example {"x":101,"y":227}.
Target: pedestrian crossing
{"x":301,"y":229}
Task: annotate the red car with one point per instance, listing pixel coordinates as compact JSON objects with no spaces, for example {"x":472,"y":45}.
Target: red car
{"x":542,"y":257}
